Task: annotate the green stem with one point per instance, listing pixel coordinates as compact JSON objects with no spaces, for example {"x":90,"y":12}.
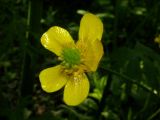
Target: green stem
{"x":106,"y":93}
{"x":29,"y":60}
{"x":27,"y":81}
{"x":133,"y":81}
{"x":154,"y":114}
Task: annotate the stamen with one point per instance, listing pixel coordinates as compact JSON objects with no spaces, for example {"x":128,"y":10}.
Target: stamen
{"x":71,"y":57}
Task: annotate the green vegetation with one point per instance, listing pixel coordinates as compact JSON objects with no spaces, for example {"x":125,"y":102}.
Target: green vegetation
{"x":126,"y":85}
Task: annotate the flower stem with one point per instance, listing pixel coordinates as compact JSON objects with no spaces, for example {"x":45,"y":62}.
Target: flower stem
{"x":106,"y":93}
{"x":154,"y":114}
{"x":29,"y":59}
{"x":133,"y":81}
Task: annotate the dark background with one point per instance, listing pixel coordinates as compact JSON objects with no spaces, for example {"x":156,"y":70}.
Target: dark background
{"x":126,"y":85}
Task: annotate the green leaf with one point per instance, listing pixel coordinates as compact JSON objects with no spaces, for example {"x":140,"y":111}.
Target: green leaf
{"x":151,"y":74}
{"x":120,"y":57}
{"x":133,"y":69}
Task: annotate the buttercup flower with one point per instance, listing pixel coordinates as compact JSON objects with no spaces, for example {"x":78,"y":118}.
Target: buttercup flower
{"x":77,"y":58}
{"x":157,"y":40}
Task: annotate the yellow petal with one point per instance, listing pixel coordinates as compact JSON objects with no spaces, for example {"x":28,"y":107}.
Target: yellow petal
{"x":157,"y":39}
{"x":55,"y":39}
{"x":91,"y":28}
{"x":91,"y":53}
{"x":76,"y":90}
{"x":52,"y":79}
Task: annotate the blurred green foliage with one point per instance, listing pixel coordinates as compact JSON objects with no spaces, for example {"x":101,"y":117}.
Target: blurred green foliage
{"x":125,"y":87}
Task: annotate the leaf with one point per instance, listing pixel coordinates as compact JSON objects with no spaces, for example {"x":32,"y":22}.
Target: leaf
{"x":133,"y":69}
{"x":144,"y":51}
{"x":151,"y":65}
{"x":151,"y":74}
{"x":121,"y":56}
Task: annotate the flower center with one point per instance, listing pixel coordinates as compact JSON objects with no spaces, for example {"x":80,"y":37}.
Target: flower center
{"x":71,"y":57}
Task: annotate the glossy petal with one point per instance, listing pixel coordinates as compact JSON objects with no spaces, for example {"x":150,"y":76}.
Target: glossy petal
{"x":52,"y":79}
{"x":55,"y":39}
{"x":91,"y":53}
{"x":76,"y":90}
{"x":91,"y":28}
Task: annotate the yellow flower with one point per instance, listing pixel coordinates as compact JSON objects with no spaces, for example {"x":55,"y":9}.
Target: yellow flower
{"x":77,"y":58}
{"x":157,"y":40}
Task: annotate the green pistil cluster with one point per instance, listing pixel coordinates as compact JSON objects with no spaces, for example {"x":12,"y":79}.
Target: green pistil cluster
{"x":71,"y":57}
